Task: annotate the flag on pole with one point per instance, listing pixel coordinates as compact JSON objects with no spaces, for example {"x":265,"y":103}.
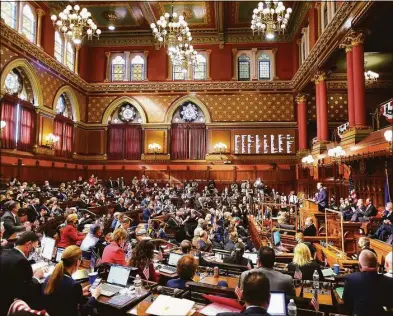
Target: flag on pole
{"x":298,"y":274}
{"x":238,"y":292}
{"x":351,"y":187}
{"x":387,"y":188}
{"x":146,"y":272}
{"x":314,"y":300}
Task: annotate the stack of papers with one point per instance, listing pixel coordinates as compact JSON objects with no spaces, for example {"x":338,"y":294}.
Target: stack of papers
{"x":215,"y":308}
{"x":165,"y":305}
{"x":328,"y":272}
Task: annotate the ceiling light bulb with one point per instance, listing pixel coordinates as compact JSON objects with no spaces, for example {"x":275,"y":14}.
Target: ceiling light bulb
{"x":111,"y":27}
{"x":269,"y":35}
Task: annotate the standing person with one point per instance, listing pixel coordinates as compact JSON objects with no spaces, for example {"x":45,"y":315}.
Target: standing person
{"x":321,"y":197}
{"x":62,"y":296}
{"x":17,"y":276}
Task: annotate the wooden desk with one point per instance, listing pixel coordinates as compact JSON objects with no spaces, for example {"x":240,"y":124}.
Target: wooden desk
{"x":323,"y":299}
{"x":309,"y":209}
{"x":381,"y":248}
{"x":232,"y":281}
{"x":333,"y":256}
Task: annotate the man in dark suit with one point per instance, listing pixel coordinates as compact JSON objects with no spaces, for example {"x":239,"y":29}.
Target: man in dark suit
{"x":309,"y":227}
{"x":386,"y":228}
{"x":256,"y":294}
{"x":367,"y":292}
{"x":12,"y":223}
{"x":17,"y":275}
{"x":371,"y":210}
{"x":33,"y":211}
{"x":110,"y":184}
{"x":321,"y":197}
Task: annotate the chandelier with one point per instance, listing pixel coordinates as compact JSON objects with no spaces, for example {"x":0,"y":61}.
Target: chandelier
{"x":270,"y":17}
{"x":76,"y":24}
{"x":336,"y":152}
{"x":371,"y":76}
{"x":184,"y":56}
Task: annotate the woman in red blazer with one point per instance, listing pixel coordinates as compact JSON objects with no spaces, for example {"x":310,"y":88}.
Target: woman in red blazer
{"x":69,"y":235}
{"x":114,"y":253}
{"x":142,"y":259}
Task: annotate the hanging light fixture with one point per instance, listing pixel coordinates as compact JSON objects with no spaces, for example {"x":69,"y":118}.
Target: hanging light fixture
{"x":269,"y":18}
{"x":370,"y":76}
{"x":76,"y":24}
{"x":184,"y":56}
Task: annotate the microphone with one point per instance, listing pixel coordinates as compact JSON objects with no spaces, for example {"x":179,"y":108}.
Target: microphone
{"x":176,"y":292}
{"x":159,"y":289}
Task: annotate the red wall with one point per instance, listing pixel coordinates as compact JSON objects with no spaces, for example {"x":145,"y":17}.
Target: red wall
{"x":313,"y":24}
{"x":48,"y":33}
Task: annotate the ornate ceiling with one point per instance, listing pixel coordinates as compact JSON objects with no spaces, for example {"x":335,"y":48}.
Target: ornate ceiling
{"x":211,"y":22}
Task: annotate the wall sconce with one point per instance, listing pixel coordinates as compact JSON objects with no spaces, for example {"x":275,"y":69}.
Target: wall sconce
{"x":51,"y":140}
{"x":220,"y":147}
{"x":154,"y":148}
{"x":307,"y":161}
{"x":389,"y":136}
{"x":336,"y":152}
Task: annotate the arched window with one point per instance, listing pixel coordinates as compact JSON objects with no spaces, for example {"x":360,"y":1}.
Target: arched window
{"x":178,"y":73}
{"x":264,"y":67}
{"x":28,"y":22}
{"x":70,"y":56}
{"x":243,"y":67}
{"x":60,"y":105}
{"x":137,"y":68}
{"x":59,"y":47}
{"x":200,"y":72}
{"x":118,"y":68}
{"x":9,"y":13}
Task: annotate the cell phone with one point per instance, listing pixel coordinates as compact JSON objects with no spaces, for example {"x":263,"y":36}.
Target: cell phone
{"x":96,"y":283}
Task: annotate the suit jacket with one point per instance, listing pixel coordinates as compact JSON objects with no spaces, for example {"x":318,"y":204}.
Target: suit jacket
{"x":17,"y":279}
{"x":365,"y":293}
{"x":33,"y":213}
{"x":310,"y":230}
{"x":370,"y":210}
{"x":11,"y":224}
{"x":279,"y":282}
{"x":70,"y":236}
{"x":254,"y":310}
{"x":386,"y":215}
{"x":114,"y":254}
{"x":322,"y":198}
{"x":307,"y":270}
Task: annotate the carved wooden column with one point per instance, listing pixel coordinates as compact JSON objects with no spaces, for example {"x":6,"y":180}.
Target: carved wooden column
{"x":40,"y":14}
{"x":254,"y":70}
{"x":108,"y":67}
{"x":234,"y":52}
{"x":127,"y":77}
{"x":351,"y":103}
{"x":322,"y":116}
{"x":76,"y":66}
{"x":302,"y":121}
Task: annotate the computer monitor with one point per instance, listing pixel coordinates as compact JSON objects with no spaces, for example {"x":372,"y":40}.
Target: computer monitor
{"x":277,"y":306}
{"x":48,"y":247}
{"x":59,"y":253}
{"x":118,"y":275}
{"x":174,"y":258}
{"x":251,"y":256}
{"x":276,"y":238}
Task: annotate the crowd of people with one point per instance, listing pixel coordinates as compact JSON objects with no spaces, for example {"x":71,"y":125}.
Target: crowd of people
{"x":202,"y":219}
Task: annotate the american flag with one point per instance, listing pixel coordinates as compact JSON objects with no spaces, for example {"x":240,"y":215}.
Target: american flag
{"x":146,"y":272}
{"x":238,"y":292}
{"x":314,"y":301}
{"x":298,"y":274}
{"x":351,"y":187}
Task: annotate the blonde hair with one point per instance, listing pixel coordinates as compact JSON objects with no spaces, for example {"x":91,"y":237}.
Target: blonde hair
{"x":364,"y":242}
{"x":70,"y":255}
{"x":302,"y":255}
{"x":119,"y":234}
{"x":72,"y":218}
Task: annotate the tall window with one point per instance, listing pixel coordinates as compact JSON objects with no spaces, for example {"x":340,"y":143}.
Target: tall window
{"x":118,"y":68}
{"x":70,"y":56}
{"x":59,"y":47}
{"x":28,"y":22}
{"x":137,"y":68}
{"x":304,"y":44}
{"x":200,"y":72}
{"x":178,"y":73}
{"x":264,"y":67}
{"x":243,"y":67}
{"x":8,"y":13}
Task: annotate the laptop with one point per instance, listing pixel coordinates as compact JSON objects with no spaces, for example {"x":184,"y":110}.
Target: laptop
{"x":252,"y":256}
{"x":276,"y":238}
{"x":117,"y":280}
{"x":277,"y":306}
{"x":171,"y":268}
{"x":59,"y":253}
{"x":48,"y":247}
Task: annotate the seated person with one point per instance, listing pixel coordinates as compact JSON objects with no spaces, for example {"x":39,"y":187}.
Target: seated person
{"x":300,"y":239}
{"x":92,"y":238}
{"x":185,"y":246}
{"x":255,"y":293}
{"x":186,"y":268}
{"x":69,"y":235}
{"x":62,"y":296}
{"x":359,"y":211}
{"x":367,"y":292}
{"x":12,"y":223}
{"x":114,"y":253}
{"x":233,"y":238}
{"x":204,"y":244}
{"x":142,"y":257}
{"x":303,"y":261}
{"x":309,"y":227}
{"x":236,"y":256}
{"x":279,"y":282}
{"x":363,"y":244}
{"x":386,"y":228}
{"x":389,"y":265}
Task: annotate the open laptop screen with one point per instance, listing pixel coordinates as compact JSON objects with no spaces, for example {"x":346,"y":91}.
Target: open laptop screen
{"x":48,"y":246}
{"x":277,"y":306}
{"x":118,"y":275}
{"x":251,"y":256}
{"x":174,"y":258}
{"x":59,"y":253}
{"x":276,"y":238}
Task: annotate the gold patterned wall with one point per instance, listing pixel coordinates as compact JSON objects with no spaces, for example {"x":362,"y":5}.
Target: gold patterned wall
{"x":49,"y":85}
{"x":82,"y":105}
{"x":97,"y":106}
{"x":156,"y":106}
{"x":249,"y":107}
{"x":337,"y":107}
{"x":6,"y":55}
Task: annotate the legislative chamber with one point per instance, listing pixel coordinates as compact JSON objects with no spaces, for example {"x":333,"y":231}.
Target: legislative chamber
{"x":196,"y":158}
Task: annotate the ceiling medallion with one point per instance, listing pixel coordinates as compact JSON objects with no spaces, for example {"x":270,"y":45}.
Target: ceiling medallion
{"x":127,"y":113}
{"x":189,"y":112}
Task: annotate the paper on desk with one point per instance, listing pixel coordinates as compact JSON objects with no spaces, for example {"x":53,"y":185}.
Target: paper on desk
{"x":215,"y":308}
{"x":165,"y":305}
{"x":328,"y":272}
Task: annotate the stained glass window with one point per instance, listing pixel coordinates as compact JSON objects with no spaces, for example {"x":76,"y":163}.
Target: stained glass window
{"x":137,"y":68}
{"x":244,"y":67}
{"x":118,"y":68}
{"x":70,"y":56}
{"x":59,"y":47}
{"x":200,"y":68}
{"x":178,"y":73}
{"x":264,"y":67}
{"x":8,"y":13}
{"x":28,"y":23}
{"x":13,"y":83}
{"x":60,"y":105}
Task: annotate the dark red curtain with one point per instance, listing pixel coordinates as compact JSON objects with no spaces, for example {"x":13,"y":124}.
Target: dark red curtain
{"x":179,"y":141}
{"x":8,"y":114}
{"x":27,"y":129}
{"x":58,"y":131}
{"x":133,"y":143}
{"x":197,"y":142}
{"x":115,"y":142}
{"x":67,"y":140}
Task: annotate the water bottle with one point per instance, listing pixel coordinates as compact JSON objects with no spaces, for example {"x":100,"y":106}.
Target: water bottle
{"x":138,"y":285}
{"x":315,"y":278}
{"x":292,"y":309}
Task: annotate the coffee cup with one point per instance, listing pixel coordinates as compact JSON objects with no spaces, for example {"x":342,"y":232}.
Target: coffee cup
{"x":336,"y":268}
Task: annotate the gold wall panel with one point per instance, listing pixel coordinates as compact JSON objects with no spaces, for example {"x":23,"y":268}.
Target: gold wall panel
{"x":82,"y":105}
{"x":49,"y":84}
{"x":97,"y":106}
{"x":156,"y":106}
{"x":337,"y":107}
{"x":6,"y":55}
{"x":219,"y":136}
{"x":156,"y":136}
